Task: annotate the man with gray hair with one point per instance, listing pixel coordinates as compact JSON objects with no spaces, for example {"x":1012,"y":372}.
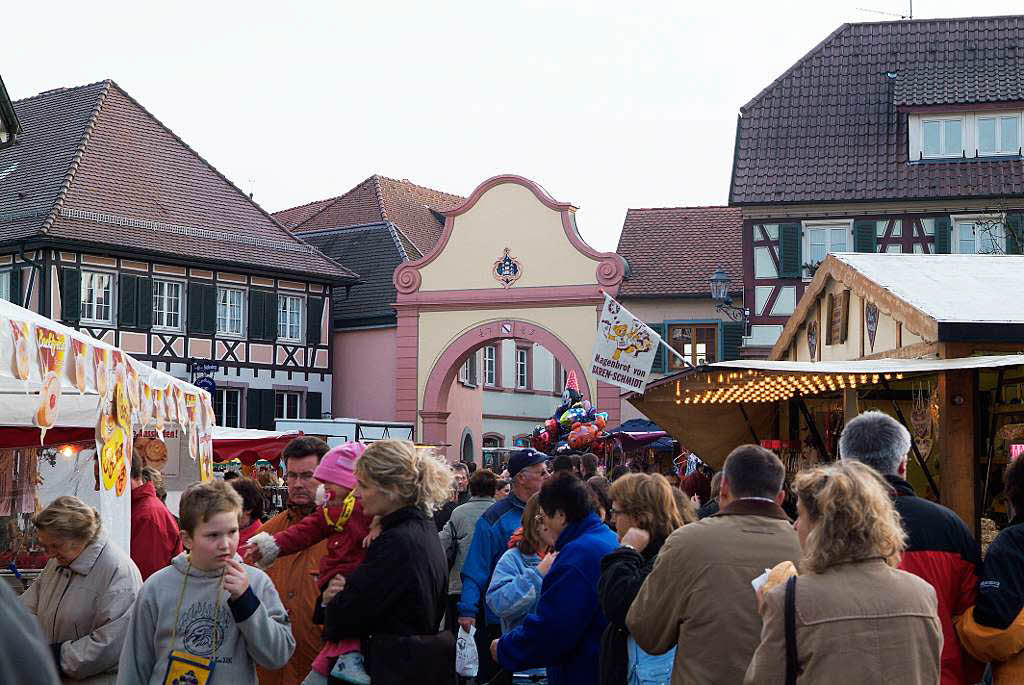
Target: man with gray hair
{"x":940,"y":548}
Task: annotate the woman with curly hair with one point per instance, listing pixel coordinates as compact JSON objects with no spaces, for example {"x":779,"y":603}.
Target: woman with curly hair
{"x":853,"y":613}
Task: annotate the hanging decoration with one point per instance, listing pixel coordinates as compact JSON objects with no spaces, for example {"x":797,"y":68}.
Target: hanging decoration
{"x":575,"y":425}
{"x":871,"y":322}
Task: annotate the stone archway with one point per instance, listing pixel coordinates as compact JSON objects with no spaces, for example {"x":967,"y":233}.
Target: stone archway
{"x":444,"y":371}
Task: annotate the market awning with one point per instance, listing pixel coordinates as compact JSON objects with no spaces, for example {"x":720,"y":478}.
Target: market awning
{"x":714,"y":408}
{"x":249,"y":446}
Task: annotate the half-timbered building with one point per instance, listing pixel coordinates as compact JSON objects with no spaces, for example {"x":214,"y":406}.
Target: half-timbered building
{"x":111,"y":223}
{"x":899,"y":136}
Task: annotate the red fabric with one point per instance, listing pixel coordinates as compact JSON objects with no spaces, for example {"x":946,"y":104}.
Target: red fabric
{"x":245,"y":533}
{"x":955,"y":582}
{"x":697,"y":484}
{"x":345,"y":549}
{"x":156,"y":538}
{"x":250,"y":451}
{"x":12,"y":436}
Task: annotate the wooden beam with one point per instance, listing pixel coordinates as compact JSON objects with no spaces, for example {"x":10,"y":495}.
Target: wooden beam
{"x":813,"y":428}
{"x":851,"y":405}
{"x":750,"y":426}
{"x":956,"y":442}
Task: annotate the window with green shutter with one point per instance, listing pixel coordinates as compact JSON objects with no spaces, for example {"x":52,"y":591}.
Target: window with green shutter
{"x":1014,"y":232}
{"x":659,"y":357}
{"x":943,"y":231}
{"x":864,"y":236}
{"x":790,"y":248}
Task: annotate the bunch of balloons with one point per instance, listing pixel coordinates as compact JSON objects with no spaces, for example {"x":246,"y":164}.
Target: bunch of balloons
{"x":575,"y":425}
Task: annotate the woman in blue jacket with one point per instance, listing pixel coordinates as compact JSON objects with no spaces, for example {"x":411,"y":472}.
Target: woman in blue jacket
{"x":563,"y":633}
{"x":515,"y":586}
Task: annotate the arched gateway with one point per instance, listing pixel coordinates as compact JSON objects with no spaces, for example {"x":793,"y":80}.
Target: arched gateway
{"x":510,"y":264}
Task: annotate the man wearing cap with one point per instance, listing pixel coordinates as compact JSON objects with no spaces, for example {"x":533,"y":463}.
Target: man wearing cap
{"x":493,"y":529}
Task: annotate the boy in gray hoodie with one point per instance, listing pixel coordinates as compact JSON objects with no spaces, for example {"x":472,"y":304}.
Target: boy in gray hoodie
{"x":207,"y":613}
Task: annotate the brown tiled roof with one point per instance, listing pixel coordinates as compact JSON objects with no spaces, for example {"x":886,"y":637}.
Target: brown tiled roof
{"x":829,"y":128}
{"x":998,"y":81}
{"x":414,"y":210}
{"x":94,"y":168}
{"x":673,"y":251}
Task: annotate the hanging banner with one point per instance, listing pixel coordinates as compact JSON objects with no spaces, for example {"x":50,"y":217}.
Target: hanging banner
{"x":624,"y":349}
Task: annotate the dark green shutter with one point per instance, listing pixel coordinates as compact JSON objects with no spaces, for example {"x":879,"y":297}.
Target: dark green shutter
{"x":1014,"y":233}
{"x":943,"y":231}
{"x":15,"y":284}
{"x":790,"y":248}
{"x":259,"y":409}
{"x":270,"y":315}
{"x":195,"y":308}
{"x":145,"y":297}
{"x":864,"y":236}
{"x":257,"y":322}
{"x":127,"y":301}
{"x":71,"y":295}
{"x":314,"y":405}
{"x":208,"y":323}
{"x":314,"y":313}
{"x":732,"y":340}
{"x":659,"y":357}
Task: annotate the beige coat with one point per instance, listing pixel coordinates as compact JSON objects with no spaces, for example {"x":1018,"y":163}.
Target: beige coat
{"x":87,"y":607}
{"x":698,"y":596}
{"x":864,"y":622}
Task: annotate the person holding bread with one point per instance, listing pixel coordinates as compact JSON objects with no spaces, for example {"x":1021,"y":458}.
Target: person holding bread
{"x":698,"y":596}
{"x":855,"y":616}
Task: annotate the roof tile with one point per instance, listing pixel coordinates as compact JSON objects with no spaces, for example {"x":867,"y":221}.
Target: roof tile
{"x":673,"y":251}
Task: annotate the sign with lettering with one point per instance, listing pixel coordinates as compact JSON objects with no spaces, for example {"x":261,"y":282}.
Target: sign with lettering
{"x":624,"y":348}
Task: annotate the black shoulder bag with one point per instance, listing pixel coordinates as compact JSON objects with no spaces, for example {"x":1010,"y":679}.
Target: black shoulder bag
{"x":792,"y":666}
{"x":452,"y":553}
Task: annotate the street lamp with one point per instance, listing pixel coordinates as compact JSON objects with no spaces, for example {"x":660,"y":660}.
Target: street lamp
{"x":720,"y":293}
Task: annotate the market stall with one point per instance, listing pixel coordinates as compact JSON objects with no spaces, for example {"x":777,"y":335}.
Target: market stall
{"x":70,"y":410}
{"x":934,"y":340}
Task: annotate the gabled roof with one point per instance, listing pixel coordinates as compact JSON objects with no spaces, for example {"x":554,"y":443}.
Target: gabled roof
{"x":414,"y":210}
{"x":10,"y":127}
{"x":93,"y":168}
{"x":673,"y":251}
{"x":937,"y":296}
{"x":373,"y":250}
{"x":829,"y":129}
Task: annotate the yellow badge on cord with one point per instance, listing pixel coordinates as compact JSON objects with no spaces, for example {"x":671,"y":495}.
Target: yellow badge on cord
{"x":188,"y":669}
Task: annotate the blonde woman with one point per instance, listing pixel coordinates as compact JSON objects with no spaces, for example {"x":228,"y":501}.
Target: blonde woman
{"x":399,"y":589}
{"x":645,"y":509}
{"x":83,"y":599}
{"x":856,"y":616}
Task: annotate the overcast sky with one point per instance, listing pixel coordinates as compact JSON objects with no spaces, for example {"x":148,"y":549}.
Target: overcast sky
{"x":607,"y":105}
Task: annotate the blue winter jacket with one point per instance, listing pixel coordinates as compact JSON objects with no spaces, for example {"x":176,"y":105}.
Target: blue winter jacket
{"x":490,"y":540}
{"x":564,"y":633}
{"x":515,"y":588}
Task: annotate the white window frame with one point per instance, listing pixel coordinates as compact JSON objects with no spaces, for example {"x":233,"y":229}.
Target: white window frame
{"x":827,"y":224}
{"x":287,"y":394}
{"x":244,"y":310}
{"x":998,"y":234}
{"x":969,"y":128}
{"x":182,"y":309}
{"x":997,"y":115}
{"x":221,"y":399}
{"x":523,"y":368}
{"x":5,"y":286}
{"x":490,"y":366}
{"x":112,"y":321}
{"x":285,"y":297}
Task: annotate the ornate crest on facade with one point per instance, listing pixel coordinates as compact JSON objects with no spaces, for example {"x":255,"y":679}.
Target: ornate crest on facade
{"x":871,"y":322}
{"x":507,"y":270}
{"x":812,"y":340}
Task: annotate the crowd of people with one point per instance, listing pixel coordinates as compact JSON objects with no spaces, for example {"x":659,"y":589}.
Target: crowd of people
{"x":386,"y":555}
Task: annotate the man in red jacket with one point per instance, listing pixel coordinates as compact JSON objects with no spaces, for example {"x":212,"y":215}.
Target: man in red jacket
{"x":940,"y":548}
{"x":156,"y":538}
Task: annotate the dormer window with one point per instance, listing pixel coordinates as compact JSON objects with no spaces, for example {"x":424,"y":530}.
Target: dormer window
{"x":998,"y":135}
{"x":942,"y":137}
{"x":970,"y":135}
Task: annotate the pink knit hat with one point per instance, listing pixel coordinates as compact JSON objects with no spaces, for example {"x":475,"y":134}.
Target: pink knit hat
{"x":338,"y":466}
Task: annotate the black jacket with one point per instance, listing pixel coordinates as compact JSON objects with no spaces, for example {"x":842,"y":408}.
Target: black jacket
{"x":622,"y":573}
{"x":442,"y":515}
{"x":709,"y":508}
{"x":400,"y":587}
